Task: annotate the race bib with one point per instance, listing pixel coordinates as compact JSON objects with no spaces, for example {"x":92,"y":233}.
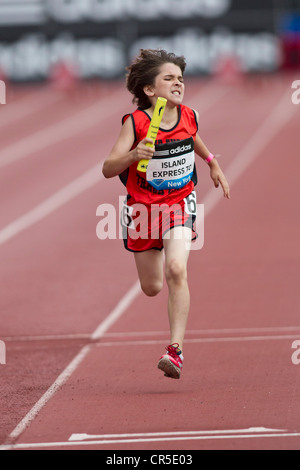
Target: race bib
{"x":172,"y":165}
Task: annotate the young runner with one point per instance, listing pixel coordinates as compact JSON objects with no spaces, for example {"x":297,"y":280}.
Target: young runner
{"x":159,"y":212}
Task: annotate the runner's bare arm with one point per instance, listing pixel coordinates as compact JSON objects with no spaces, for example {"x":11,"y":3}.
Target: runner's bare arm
{"x":121,"y":157}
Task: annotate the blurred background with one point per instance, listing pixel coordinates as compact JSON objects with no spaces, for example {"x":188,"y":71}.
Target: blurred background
{"x":97,"y":38}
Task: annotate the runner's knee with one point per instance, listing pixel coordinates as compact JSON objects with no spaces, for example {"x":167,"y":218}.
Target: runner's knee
{"x":176,"y":271}
{"x":151,"y":289}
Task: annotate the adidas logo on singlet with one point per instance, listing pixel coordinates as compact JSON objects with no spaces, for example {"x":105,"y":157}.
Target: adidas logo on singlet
{"x":180,"y":149}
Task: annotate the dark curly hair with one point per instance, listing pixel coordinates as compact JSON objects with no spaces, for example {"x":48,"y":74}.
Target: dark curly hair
{"x":145,"y":69}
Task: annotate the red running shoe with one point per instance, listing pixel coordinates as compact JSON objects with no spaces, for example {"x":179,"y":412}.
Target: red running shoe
{"x":172,"y":362}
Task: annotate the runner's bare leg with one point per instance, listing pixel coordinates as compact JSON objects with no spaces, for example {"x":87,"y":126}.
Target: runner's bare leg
{"x":150,"y":270}
{"x":177,"y":249}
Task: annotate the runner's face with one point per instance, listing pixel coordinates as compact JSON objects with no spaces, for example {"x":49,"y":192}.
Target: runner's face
{"x":169,"y":84}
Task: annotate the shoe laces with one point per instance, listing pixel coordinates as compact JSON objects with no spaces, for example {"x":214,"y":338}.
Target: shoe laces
{"x":173,"y":350}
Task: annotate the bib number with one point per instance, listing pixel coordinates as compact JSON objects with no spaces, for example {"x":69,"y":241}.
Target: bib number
{"x":126,"y":217}
{"x":190,"y":203}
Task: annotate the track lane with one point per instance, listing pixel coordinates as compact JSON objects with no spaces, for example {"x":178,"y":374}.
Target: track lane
{"x":134,"y":316}
{"x":66,"y":263}
{"x":224,"y":395}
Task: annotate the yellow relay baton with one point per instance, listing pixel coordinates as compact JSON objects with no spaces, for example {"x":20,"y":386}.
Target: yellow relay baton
{"x":153,"y":129}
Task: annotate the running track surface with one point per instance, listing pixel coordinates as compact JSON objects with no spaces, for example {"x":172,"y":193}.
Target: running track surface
{"x":82,"y":342}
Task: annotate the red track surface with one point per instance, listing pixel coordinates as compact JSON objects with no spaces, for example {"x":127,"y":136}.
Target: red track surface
{"x":59,"y":282}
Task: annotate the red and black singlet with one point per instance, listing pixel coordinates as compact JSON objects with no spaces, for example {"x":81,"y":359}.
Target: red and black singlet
{"x":174,"y":150}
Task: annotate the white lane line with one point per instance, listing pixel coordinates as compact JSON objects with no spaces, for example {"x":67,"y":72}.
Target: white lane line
{"x":278,"y":117}
{"x":61,"y":379}
{"x":208,"y":96}
{"x":262,"y":141}
{"x":85,"y":437}
{"x":118,"y":311}
{"x":70,"y":369}
{"x":207,"y":437}
{"x":233,"y":339}
{"x":28,"y":105}
{"x":112,"y":318}
{"x":214,"y":331}
{"x":54,"y":202}
{"x":66,"y":374}
{"x":154,"y":334}
{"x":28,"y":339}
{"x":94,"y":115}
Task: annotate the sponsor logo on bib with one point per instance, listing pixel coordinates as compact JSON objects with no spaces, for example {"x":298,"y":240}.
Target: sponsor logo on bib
{"x":172,"y":165}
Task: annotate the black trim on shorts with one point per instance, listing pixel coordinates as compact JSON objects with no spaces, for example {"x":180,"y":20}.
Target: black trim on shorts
{"x":139,"y":251}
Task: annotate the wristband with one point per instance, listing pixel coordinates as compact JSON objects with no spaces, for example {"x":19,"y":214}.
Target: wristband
{"x":209,"y":158}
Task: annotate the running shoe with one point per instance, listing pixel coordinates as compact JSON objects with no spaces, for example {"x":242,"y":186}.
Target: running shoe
{"x":172,"y":362}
